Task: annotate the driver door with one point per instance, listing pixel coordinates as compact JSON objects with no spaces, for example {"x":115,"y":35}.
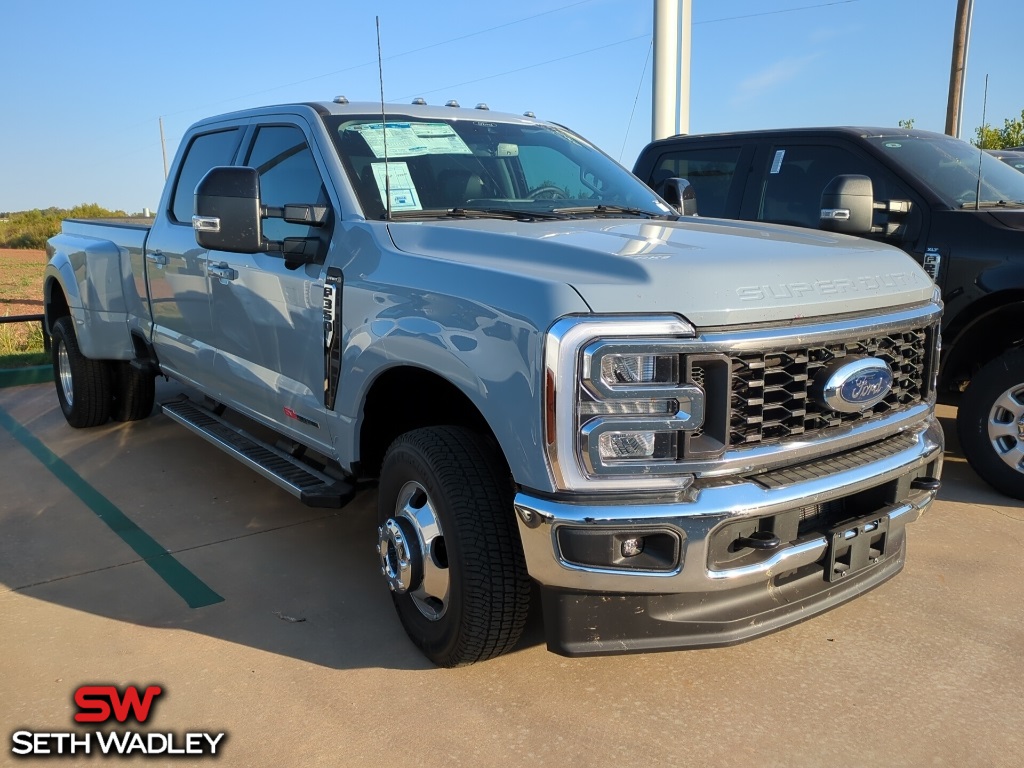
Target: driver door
{"x":795,"y":174}
{"x":268,"y":314}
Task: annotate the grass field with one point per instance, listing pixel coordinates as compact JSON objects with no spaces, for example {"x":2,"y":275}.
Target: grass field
{"x":21,"y":293}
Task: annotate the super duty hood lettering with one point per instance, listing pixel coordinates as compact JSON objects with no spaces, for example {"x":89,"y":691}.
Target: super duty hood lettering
{"x":829,"y":287}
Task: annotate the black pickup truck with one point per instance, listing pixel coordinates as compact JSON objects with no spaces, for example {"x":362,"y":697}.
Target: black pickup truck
{"x":958,"y":211}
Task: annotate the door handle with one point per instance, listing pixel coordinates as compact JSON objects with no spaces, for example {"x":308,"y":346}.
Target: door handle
{"x":223,"y":271}
{"x":156,"y":257}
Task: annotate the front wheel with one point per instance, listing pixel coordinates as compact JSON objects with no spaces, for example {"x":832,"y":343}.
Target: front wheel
{"x":990,"y":423}
{"x":449,"y":547}
{"x":83,"y":385}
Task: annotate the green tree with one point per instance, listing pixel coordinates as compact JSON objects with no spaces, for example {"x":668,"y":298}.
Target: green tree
{"x":907,"y":124}
{"x":1010,"y":135}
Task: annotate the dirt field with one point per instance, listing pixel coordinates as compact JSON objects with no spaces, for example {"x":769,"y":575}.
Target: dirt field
{"x":21,"y":293}
{"x":21,"y":281}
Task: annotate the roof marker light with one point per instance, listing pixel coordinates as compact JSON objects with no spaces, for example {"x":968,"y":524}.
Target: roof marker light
{"x":451,"y":103}
{"x":482,"y":105}
{"x":420,"y":101}
{"x":529,"y":114}
{"x":340,"y":100}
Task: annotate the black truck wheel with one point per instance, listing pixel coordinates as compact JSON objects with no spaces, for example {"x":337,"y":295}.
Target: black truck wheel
{"x":990,"y":423}
{"x":132,"y":392}
{"x":449,"y":546}
{"x":83,"y":385}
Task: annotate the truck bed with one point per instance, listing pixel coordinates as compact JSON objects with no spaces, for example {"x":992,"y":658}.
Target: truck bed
{"x":126,"y":232}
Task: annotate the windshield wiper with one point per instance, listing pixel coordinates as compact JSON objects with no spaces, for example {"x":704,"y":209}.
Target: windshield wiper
{"x":603,"y":209}
{"x":995,"y":204}
{"x":513,"y":214}
{"x":518,"y":214}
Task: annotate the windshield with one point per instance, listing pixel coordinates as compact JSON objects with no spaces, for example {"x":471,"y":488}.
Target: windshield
{"x":484,"y":167}
{"x":950,"y":167}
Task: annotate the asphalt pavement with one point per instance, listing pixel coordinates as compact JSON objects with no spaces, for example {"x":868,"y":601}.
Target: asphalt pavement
{"x":137,"y":554}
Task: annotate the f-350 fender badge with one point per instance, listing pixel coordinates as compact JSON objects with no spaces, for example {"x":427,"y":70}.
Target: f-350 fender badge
{"x":332,"y":335}
{"x":931,"y":262}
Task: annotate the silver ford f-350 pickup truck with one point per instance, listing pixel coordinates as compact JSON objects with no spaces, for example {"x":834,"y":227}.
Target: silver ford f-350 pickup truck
{"x":687,"y":432}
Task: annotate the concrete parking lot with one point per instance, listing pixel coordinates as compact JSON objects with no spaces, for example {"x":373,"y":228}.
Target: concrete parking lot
{"x":139,"y":554}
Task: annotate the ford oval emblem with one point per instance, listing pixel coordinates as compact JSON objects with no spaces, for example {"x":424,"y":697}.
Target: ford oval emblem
{"x":852,"y":386}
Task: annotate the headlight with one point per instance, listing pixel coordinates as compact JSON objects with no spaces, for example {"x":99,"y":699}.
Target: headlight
{"x":622,"y":403}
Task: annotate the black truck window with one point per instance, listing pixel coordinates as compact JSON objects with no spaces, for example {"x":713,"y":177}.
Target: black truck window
{"x":204,"y":152}
{"x":710,"y":170}
{"x":288,"y":174}
{"x":797,"y":174}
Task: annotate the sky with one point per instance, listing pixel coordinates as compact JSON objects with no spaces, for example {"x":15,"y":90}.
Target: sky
{"x":85,"y":83}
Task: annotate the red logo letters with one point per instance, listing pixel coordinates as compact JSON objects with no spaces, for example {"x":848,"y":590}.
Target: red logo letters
{"x":98,"y":703}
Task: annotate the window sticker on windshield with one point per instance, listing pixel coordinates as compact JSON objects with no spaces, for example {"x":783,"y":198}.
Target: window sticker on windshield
{"x":412,"y":139}
{"x":403,"y":191}
{"x":893,"y":144}
{"x":777,"y":162}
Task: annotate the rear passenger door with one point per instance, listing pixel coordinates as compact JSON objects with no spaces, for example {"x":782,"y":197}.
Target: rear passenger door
{"x":179,"y":290}
{"x":267,"y":313}
{"x":717,"y":171}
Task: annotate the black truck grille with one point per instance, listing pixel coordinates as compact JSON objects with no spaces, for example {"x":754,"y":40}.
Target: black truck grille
{"x":769,"y":389}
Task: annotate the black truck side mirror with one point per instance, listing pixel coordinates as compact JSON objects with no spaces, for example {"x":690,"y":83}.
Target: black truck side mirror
{"x":227,"y":210}
{"x":847,"y":205}
{"x":680,"y":194}
{"x":229,"y":217}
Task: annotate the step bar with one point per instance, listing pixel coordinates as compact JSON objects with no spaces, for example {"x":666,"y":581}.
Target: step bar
{"x":312,"y":488}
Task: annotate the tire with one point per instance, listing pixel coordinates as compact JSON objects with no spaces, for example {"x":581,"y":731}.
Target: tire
{"x":449,"y":546}
{"x":132,"y":392}
{"x":83,"y":385}
{"x":990,"y":423}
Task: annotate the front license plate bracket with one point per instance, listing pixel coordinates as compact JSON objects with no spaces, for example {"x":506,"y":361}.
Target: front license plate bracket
{"x":856,"y":545}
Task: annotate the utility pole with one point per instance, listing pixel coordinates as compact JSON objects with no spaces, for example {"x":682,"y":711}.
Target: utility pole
{"x":958,"y":67}
{"x":163,"y":146}
{"x":671,"y":93}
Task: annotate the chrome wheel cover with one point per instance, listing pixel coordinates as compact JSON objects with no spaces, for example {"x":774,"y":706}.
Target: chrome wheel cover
{"x":64,"y":374}
{"x":1006,"y":427}
{"x":413,"y":557}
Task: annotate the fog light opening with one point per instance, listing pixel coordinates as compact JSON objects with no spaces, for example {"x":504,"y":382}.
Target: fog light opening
{"x":633,"y":546}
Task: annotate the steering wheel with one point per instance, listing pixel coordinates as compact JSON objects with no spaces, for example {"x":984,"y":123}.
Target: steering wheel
{"x":547,"y":192}
{"x":967,"y":196}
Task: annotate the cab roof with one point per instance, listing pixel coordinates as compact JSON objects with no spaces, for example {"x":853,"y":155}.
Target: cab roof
{"x":422,"y":111}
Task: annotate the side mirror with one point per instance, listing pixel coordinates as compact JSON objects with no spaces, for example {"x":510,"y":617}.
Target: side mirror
{"x":680,"y":194}
{"x":227,"y":210}
{"x":847,"y":205}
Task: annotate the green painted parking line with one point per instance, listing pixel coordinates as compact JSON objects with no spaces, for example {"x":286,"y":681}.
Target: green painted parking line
{"x":179,"y":578}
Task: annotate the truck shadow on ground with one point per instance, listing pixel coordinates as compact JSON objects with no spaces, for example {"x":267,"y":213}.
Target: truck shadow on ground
{"x":297,"y":582}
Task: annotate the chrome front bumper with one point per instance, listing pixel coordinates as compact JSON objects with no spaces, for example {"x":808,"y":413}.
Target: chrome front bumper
{"x":716,"y":504}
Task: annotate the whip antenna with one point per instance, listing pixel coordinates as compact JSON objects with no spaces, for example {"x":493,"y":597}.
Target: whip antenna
{"x":981,"y":146}
{"x":384,"y":130}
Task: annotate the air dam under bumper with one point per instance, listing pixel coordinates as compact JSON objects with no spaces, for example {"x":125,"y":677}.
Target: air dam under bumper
{"x":697,"y":581}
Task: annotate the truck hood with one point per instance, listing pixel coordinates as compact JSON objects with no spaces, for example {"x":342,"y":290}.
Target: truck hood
{"x":1013,"y":219}
{"x":711,"y":271}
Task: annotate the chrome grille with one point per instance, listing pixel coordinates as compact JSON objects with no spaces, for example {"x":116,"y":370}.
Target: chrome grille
{"x":697,"y":377}
{"x":769,"y":389}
